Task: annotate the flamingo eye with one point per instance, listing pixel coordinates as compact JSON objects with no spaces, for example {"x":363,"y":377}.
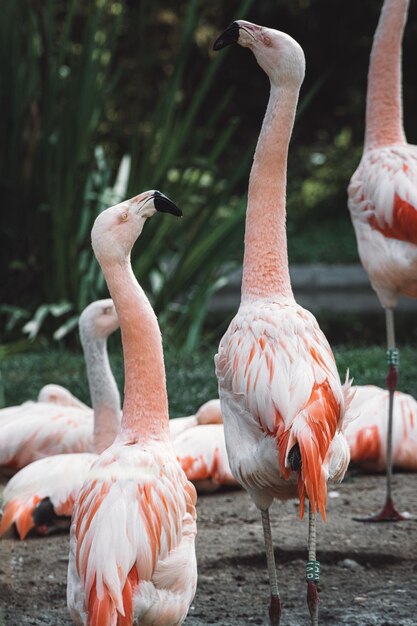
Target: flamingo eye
{"x":267,"y":41}
{"x":107,"y":310}
{"x":124,"y":216}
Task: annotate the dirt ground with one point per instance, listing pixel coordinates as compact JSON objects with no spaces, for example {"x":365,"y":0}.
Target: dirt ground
{"x":369,"y":572}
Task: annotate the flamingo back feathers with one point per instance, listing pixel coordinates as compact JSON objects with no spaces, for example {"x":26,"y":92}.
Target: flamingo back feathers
{"x":279,"y":362}
{"x":129,"y":516}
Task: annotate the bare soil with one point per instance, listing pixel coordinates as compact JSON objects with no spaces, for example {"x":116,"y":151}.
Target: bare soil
{"x":369,"y":572}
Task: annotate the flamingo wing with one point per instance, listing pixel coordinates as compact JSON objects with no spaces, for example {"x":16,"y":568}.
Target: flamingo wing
{"x":201,"y":452}
{"x":277,"y":363}
{"x":44,"y":430}
{"x":56,"y":478}
{"x":383,"y":192}
{"x":132,"y":539}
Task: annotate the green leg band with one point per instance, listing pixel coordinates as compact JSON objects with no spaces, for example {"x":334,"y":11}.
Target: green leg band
{"x":313,"y":571}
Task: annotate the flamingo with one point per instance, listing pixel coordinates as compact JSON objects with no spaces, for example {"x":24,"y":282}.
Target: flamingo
{"x":281,"y":397}
{"x":57,"y":394}
{"x":44,"y":491}
{"x":132,"y":554}
{"x":45,"y":428}
{"x":201,"y":452}
{"x":366,"y":433}
{"x":383,"y":200}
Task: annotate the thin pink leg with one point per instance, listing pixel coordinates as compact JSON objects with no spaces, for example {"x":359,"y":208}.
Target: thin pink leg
{"x":389,"y":513}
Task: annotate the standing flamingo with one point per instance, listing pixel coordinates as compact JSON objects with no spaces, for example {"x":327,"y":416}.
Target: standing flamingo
{"x":45,"y":490}
{"x":281,"y":397}
{"x":132,"y":555}
{"x":383,"y":199}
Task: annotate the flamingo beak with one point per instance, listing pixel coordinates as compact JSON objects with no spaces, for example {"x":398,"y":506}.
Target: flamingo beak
{"x":165,"y":205}
{"x":228,"y":37}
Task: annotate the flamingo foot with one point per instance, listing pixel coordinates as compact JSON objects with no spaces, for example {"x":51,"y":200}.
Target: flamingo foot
{"x":313,"y":602}
{"x":275,"y":611}
{"x":388,"y":514}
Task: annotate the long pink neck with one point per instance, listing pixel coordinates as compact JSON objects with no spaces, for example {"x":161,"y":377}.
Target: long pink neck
{"x":265,"y":263}
{"x":145,"y":407}
{"x":384,"y":115}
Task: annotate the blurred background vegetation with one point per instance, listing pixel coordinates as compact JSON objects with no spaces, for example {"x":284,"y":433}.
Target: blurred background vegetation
{"x":102,"y":100}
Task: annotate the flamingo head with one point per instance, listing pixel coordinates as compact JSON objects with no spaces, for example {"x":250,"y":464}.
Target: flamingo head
{"x":278,"y":54}
{"x":98,"y":320}
{"x":117,"y":228}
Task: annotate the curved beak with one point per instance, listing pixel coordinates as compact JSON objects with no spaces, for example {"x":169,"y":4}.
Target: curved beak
{"x":165,"y":205}
{"x":228,"y":37}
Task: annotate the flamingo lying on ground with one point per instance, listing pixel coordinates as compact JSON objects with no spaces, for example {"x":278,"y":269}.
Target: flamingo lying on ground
{"x":281,"y":397}
{"x":202,"y":454}
{"x":49,"y":394}
{"x":132,"y":555}
{"x":57,"y":394}
{"x":383,"y":198}
{"x":46,"y":489}
{"x":366,"y":434}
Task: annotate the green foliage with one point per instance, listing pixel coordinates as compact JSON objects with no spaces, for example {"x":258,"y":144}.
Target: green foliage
{"x":190,"y":378}
{"x":70,"y":96}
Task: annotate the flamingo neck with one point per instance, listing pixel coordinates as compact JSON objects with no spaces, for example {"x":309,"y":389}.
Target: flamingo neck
{"x":104,"y":393}
{"x":145,"y":407}
{"x":384,"y":114}
{"x":265,"y":263}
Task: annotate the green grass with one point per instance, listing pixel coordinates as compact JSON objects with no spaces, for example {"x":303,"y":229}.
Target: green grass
{"x":191,"y":379}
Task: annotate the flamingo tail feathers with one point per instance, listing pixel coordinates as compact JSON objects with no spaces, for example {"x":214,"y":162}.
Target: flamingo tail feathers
{"x":20,"y":514}
{"x":102,"y":610}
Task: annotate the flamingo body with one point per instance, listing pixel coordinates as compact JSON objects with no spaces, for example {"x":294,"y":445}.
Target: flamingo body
{"x":147,"y":569}
{"x":201,"y":452}
{"x":44,"y":429}
{"x":278,"y":386}
{"x":367,"y":432}
{"x":383,"y":206}
{"x":57,"y":478}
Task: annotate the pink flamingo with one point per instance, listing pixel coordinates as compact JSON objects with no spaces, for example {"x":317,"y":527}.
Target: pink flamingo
{"x":281,"y":397}
{"x":132,"y":555}
{"x":42,"y":494}
{"x":383,"y":199}
{"x":201,"y":452}
{"x":366,"y":434}
{"x":36,"y":430}
{"x":57,"y":394}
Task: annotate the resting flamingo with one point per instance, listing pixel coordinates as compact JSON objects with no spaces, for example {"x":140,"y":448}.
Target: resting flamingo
{"x":57,"y":394}
{"x":366,"y":434}
{"x":132,"y":555}
{"x":383,"y":200}
{"x":43,"y":493}
{"x":281,"y":397}
{"x":201,"y":452}
{"x":49,"y":394}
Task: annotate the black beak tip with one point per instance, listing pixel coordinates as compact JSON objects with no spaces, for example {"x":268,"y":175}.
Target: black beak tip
{"x":165,"y":205}
{"x":228,"y":37}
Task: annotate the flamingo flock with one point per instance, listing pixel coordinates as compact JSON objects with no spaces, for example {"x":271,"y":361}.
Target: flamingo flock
{"x":284,"y":424}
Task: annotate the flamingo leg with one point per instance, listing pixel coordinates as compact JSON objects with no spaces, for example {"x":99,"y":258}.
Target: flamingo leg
{"x":389,"y":513}
{"x":312,"y":570}
{"x":275,"y":604}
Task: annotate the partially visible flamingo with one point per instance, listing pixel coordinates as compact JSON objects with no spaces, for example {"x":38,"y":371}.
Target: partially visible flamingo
{"x":201,"y":452}
{"x":281,"y":397}
{"x":132,"y":555}
{"x":57,"y":394}
{"x":44,"y":491}
{"x":366,"y":434}
{"x":46,"y":428}
{"x":383,"y":199}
